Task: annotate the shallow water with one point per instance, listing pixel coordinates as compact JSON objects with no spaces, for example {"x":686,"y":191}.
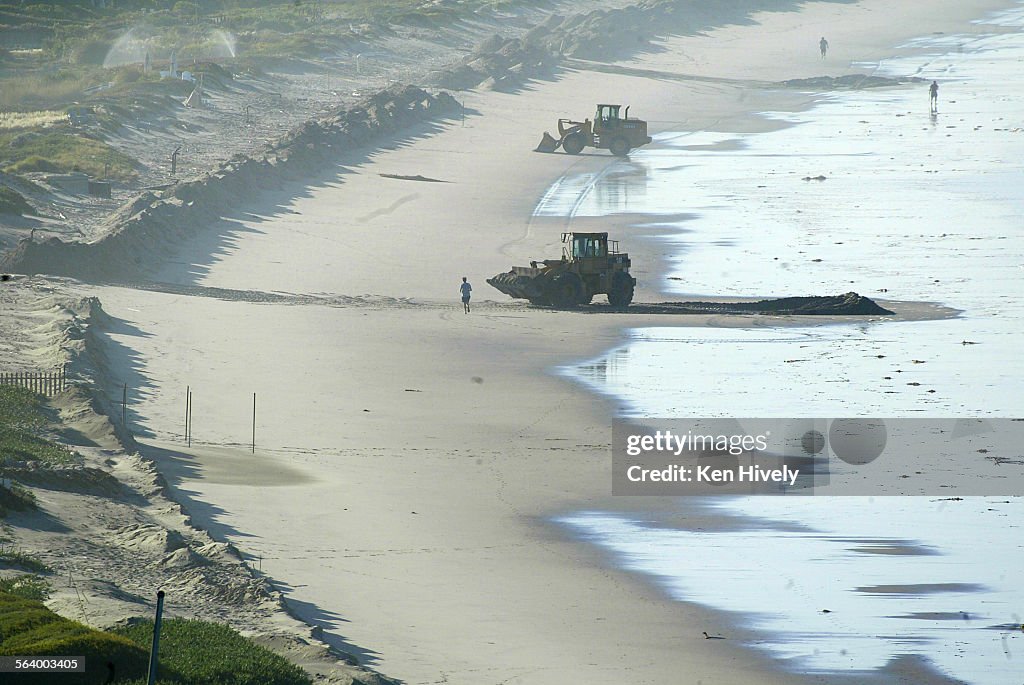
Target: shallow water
{"x":942,"y":591}
{"x":912,"y":207}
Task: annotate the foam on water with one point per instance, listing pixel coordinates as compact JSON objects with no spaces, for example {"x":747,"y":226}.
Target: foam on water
{"x":913,"y":207}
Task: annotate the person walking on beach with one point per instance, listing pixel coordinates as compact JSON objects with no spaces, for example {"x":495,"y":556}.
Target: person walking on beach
{"x":933,"y":96}
{"x":465,"y":289}
{"x":823,"y":44}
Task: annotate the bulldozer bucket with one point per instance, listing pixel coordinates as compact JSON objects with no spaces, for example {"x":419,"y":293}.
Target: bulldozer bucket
{"x":548,"y":143}
{"x":517,"y":285}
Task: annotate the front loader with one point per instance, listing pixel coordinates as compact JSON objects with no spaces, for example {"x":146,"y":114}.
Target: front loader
{"x":590,"y":265}
{"x":606,"y":131}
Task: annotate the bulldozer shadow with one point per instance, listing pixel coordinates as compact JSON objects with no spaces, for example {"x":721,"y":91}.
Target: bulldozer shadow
{"x":581,"y":154}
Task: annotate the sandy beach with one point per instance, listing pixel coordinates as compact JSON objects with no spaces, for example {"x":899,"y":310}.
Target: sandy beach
{"x":409,"y":458}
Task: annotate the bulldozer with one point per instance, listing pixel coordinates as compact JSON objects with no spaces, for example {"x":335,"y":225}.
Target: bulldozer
{"x":590,"y":265}
{"x":607,"y":132}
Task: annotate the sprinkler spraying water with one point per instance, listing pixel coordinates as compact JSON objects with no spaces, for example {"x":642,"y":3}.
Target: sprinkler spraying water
{"x":144,"y":43}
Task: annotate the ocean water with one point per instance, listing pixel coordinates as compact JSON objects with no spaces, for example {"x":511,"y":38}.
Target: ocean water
{"x":847,"y":584}
{"x":866,"y":191}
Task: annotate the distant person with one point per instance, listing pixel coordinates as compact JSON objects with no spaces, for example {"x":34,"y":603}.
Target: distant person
{"x":933,"y":96}
{"x":823,"y":45}
{"x":465,"y":289}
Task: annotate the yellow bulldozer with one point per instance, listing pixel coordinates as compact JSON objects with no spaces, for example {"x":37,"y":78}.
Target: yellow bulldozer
{"x":607,"y":131}
{"x":590,"y":265}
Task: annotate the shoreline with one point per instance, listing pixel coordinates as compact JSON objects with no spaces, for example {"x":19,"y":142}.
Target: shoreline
{"x":596,"y":415}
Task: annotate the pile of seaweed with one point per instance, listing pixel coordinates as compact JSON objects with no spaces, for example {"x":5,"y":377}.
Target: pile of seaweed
{"x":848,"y":304}
{"x":848,"y":82}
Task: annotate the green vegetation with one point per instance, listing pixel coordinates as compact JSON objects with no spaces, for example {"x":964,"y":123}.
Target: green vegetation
{"x":57,"y":51}
{"x":21,"y":420}
{"x":63,"y":152}
{"x":198,"y":652}
{"x":28,"y":628}
{"x":12,"y":121}
{"x":26,"y":586}
{"x":54,"y":88}
{"x":15,"y":497}
{"x":191,"y":652}
{"x":11,"y":202}
{"x":11,"y":556}
{"x":81,"y":34}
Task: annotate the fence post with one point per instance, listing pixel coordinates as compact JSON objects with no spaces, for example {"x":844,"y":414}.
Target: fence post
{"x":254,"y":423}
{"x":155,"y":648}
{"x":189,"y":423}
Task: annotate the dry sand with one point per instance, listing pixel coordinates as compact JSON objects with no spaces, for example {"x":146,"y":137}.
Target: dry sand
{"x":103,"y":522}
{"x":411,"y":454}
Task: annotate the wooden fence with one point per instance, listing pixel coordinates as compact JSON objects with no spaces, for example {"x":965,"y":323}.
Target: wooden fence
{"x":42,"y":382}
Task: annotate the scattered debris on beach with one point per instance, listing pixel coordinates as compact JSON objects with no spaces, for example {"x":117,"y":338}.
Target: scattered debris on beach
{"x":417,"y":177}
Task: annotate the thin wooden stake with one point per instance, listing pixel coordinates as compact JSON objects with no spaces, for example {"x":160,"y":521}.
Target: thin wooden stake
{"x":188,"y":393}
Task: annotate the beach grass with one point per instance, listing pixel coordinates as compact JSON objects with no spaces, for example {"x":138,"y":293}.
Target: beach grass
{"x":26,"y":586}
{"x":191,"y":652}
{"x":15,"y":497}
{"x":11,"y":202}
{"x":213,"y":654}
{"x":28,"y":628}
{"x":13,"y":121}
{"x":63,"y":152}
{"x":22,"y":419}
{"x":12,"y":556}
{"x":34,"y":90}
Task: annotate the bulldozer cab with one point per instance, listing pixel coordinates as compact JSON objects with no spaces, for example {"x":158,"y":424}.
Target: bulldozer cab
{"x":608,"y":115}
{"x":589,"y":250}
{"x":589,"y":245}
{"x":607,"y":118}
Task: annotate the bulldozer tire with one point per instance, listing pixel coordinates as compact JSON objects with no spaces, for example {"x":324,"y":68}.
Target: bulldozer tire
{"x":619,"y":146}
{"x":574,"y":143}
{"x":621,"y":293}
{"x":566,"y":290}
